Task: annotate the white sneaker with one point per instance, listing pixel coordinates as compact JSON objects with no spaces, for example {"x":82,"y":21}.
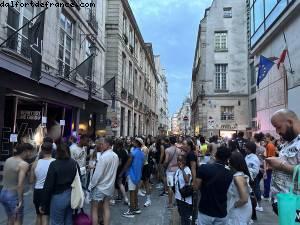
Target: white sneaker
{"x":112,"y":202}
{"x":260,"y":209}
{"x":265,"y":199}
{"x":141,"y":193}
{"x":147,"y":203}
{"x":159,"y":186}
{"x":251,"y":222}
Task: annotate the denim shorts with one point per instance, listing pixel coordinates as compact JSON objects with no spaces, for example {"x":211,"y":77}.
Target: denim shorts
{"x":9,"y":200}
{"x":98,"y":196}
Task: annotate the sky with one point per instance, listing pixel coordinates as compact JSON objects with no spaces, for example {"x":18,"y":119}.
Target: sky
{"x":172,"y":27}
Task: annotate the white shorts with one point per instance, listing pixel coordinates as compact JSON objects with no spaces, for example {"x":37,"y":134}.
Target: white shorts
{"x":131,"y":185}
{"x":170,"y":179}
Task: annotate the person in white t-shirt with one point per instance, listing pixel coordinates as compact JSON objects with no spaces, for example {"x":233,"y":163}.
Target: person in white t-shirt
{"x":182,"y":177}
{"x":79,"y":154}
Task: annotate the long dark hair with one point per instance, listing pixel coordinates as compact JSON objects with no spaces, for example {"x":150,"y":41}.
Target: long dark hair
{"x":191,"y":144}
{"x":238,"y":164}
{"x":63,"y":151}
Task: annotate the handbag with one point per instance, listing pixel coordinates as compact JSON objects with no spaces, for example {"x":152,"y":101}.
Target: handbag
{"x":77,"y":195}
{"x":81,"y":218}
{"x":289,"y":203}
{"x":186,"y":190}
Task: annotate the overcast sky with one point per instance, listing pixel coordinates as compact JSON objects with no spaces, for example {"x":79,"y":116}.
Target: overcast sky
{"x":172,"y":26}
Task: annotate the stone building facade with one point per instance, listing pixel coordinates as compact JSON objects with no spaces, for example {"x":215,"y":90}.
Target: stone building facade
{"x":273,"y":26}
{"x":219,"y":80}
{"x":58,"y":98}
{"x":131,"y":61}
{"x":184,"y":117}
{"x":162,"y":104}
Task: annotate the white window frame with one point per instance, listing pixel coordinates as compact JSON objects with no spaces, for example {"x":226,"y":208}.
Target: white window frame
{"x":20,"y":11}
{"x":227,"y":113}
{"x":66,"y":35}
{"x":221,"y":76}
{"x":130,"y":77}
{"x":221,"y":39}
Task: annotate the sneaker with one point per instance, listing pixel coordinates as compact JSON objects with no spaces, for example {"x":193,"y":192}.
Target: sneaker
{"x":140,"y":193}
{"x":265,"y":199}
{"x":118,"y":199}
{"x":144,"y":191}
{"x":164,"y":194}
{"x":129,"y":214}
{"x":251,"y":222}
{"x":112,"y":202}
{"x":126,"y":202}
{"x":159,"y":186}
{"x":147,"y":203}
{"x":260,"y":209}
{"x":137,"y":211}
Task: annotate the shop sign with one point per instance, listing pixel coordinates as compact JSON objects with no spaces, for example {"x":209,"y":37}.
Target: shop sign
{"x":29,"y":115}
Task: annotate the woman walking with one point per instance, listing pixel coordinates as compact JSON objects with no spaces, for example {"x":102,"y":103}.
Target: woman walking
{"x":238,"y":196}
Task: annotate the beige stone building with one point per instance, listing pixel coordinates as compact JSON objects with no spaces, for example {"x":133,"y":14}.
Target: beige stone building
{"x":57,"y":98}
{"x":219,"y":89}
{"x":131,"y":61}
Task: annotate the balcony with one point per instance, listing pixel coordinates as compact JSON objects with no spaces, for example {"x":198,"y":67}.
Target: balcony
{"x":124,"y":94}
{"x":136,"y":103}
{"x":19,"y":44}
{"x":125,"y":38}
{"x":130,"y":98}
{"x":131,"y":48}
{"x":92,"y":21}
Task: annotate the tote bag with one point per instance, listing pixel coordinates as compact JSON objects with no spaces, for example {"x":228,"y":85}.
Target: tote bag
{"x":77,"y":195}
{"x":289,"y":204}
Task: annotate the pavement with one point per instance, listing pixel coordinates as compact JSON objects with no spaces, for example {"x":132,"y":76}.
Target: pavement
{"x":156,"y":214}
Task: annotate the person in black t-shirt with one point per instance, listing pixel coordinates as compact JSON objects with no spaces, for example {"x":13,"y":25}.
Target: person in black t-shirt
{"x":213,"y":181}
{"x":119,"y":149}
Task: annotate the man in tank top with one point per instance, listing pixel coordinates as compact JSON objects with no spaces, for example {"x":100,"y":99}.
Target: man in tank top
{"x":14,"y":172}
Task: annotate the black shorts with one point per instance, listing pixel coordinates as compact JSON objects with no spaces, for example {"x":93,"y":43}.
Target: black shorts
{"x":146,"y":173}
{"x":37,"y":200}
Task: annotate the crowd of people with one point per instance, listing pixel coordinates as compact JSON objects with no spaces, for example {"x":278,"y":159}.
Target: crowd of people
{"x":212,"y":182}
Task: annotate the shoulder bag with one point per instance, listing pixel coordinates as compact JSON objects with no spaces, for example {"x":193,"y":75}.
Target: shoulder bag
{"x":77,"y":195}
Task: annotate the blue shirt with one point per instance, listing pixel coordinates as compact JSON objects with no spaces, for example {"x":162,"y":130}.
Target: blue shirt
{"x":135,"y":169}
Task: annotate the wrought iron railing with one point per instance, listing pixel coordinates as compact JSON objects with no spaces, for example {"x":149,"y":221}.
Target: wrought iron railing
{"x":92,"y":21}
{"x":19,"y":44}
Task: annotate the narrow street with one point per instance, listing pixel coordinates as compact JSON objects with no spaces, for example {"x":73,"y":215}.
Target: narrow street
{"x":156,"y":214}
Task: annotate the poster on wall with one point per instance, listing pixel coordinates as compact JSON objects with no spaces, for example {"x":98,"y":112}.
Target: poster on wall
{"x":28,"y":123}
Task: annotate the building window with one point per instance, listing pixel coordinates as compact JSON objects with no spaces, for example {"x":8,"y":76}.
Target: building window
{"x":65,"y":44}
{"x":227,"y":112}
{"x":124,"y":24}
{"x":227,"y":12}
{"x":221,"y":41}
{"x":221,"y":76}
{"x":263,"y":15}
{"x":130,"y":88}
{"x":253,"y":108}
{"x":87,"y":49}
{"x":17,"y":17}
{"x":123,"y":70}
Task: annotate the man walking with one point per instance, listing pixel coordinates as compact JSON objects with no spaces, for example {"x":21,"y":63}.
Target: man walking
{"x":287,"y":125}
{"x":103,"y":181}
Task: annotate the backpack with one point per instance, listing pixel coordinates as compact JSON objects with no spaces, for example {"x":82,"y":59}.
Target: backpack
{"x":81,"y":218}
